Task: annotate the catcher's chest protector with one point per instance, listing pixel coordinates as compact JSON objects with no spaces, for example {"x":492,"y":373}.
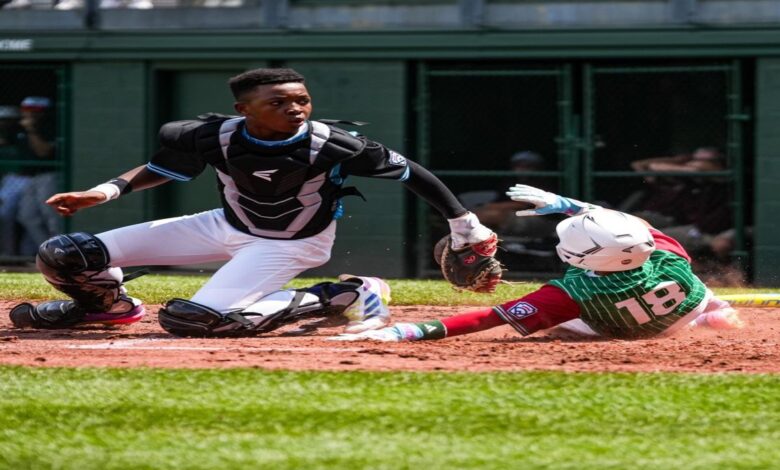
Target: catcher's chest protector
{"x":287,"y":195}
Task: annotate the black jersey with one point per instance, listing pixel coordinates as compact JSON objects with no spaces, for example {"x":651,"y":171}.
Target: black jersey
{"x":282,"y":190}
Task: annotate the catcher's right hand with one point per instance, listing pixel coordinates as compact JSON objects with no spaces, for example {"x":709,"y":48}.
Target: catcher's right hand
{"x":69,"y":203}
{"x":473,"y":267}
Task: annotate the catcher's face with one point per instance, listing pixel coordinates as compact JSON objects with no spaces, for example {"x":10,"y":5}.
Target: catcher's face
{"x":275,"y":112}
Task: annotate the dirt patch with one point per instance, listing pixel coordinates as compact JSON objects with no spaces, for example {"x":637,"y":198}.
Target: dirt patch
{"x":754,"y":349}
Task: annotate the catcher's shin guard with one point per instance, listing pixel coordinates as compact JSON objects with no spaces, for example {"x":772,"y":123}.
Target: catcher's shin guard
{"x":77,"y":264}
{"x":185,"y":318}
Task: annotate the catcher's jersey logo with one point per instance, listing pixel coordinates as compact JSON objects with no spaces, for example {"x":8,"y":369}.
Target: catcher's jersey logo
{"x":521,"y":310}
{"x":264,"y":174}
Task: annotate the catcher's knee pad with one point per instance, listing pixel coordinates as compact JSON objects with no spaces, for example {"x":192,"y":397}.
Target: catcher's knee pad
{"x":77,"y":264}
{"x":55,"y":314}
{"x":181,"y":317}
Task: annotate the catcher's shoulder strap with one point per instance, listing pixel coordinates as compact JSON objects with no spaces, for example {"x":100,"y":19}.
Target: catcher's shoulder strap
{"x":331,"y":145}
{"x":195,"y":135}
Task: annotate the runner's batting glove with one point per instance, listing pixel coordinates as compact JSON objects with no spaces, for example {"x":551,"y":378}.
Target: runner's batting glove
{"x":391,"y":334}
{"x":544,"y":202}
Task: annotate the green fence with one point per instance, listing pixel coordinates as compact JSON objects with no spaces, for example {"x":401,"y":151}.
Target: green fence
{"x":596,"y":129}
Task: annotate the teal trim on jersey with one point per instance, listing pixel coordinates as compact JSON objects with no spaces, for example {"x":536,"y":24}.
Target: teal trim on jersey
{"x":303,"y":133}
{"x":635,"y":304}
{"x":339,"y":211}
{"x":335,"y":175}
{"x":406,"y":174}
{"x":167,"y":173}
{"x":336,"y":178}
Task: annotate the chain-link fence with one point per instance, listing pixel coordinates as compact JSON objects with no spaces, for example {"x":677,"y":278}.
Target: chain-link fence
{"x":30,"y":159}
{"x":666,"y":144}
{"x":662,"y":141}
{"x":488,"y":128}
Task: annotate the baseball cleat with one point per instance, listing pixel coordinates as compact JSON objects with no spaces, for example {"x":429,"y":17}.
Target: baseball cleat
{"x":369,"y":311}
{"x":133,"y":315}
{"x":23,"y":316}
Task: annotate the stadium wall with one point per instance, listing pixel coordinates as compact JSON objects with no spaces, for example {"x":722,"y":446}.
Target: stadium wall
{"x":121,"y":82}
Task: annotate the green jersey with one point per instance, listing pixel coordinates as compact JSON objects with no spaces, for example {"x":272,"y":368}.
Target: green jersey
{"x":639,"y":303}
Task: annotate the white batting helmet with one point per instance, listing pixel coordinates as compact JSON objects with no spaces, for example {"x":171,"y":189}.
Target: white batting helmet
{"x":604,"y":240}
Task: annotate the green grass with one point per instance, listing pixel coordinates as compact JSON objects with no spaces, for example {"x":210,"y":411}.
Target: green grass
{"x":158,"y":288}
{"x":244,"y":418}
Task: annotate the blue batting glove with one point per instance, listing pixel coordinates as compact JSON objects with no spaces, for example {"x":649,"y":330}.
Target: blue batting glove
{"x":545,"y":202}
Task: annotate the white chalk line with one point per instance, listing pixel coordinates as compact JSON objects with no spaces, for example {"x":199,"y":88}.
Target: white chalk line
{"x":137,"y":345}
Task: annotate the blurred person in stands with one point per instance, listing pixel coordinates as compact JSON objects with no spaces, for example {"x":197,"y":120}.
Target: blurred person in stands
{"x":12,"y":182}
{"x":692,"y":210}
{"x":500,"y":211}
{"x":38,"y":219}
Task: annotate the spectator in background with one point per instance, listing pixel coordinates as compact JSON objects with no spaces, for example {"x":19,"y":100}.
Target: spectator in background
{"x":693,"y":210}
{"x":38,"y":219}
{"x":521,"y":236}
{"x":12,"y":182}
{"x":497,"y":209}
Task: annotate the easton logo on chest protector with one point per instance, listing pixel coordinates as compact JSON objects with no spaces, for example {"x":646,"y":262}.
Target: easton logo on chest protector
{"x":264,"y":174}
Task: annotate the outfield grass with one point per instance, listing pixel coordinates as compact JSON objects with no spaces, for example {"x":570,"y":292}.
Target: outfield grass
{"x":158,"y":288}
{"x":243,"y":418}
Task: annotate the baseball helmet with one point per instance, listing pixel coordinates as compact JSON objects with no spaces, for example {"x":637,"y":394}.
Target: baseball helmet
{"x":604,"y":240}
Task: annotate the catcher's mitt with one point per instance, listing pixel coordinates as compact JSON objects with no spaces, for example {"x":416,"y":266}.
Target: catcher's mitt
{"x":472,"y":268}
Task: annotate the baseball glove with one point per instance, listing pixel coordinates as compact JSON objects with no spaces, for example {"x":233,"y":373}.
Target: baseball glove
{"x":473,"y":268}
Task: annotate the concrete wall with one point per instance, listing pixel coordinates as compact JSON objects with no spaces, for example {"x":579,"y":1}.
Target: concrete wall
{"x":108,"y":136}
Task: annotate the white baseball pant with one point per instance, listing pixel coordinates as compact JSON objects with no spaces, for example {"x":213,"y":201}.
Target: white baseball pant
{"x":256,"y":266}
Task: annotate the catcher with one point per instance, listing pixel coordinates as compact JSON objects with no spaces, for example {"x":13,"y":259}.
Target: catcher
{"x":281,"y":179}
{"x":625,"y":280}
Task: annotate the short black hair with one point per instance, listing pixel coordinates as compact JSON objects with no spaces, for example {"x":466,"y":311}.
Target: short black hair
{"x":247,"y":81}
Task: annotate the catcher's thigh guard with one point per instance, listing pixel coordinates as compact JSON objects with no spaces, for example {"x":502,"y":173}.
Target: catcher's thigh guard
{"x":185,"y":318}
{"x":77,"y":264}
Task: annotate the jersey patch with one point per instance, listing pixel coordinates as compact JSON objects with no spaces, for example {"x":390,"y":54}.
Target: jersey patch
{"x":521,"y":310}
{"x":396,"y":159}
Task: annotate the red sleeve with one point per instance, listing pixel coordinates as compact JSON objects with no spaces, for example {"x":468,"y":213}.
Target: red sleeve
{"x":539,"y":310}
{"x":471,"y":322}
{"x":667,"y":243}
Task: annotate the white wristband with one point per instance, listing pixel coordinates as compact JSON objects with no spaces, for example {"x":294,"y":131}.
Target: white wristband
{"x":111,"y":191}
{"x":466,"y":230}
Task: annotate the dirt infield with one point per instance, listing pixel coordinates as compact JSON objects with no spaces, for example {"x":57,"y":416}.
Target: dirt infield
{"x":752,"y":350}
